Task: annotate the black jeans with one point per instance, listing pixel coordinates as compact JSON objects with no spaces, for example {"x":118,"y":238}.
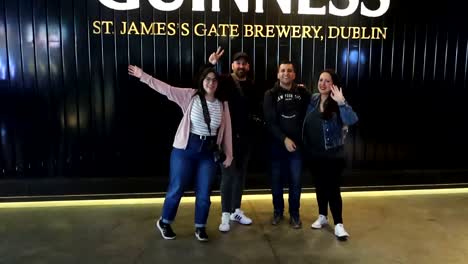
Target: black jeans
{"x":233,"y":177}
{"x":327,"y":173}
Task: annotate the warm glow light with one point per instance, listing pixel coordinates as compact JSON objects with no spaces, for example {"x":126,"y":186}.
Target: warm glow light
{"x":250,"y":197}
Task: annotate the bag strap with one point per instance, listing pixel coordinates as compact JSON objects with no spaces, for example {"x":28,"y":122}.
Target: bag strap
{"x":206,"y":112}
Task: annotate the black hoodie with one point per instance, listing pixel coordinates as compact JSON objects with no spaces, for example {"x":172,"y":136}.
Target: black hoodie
{"x":284,"y":112}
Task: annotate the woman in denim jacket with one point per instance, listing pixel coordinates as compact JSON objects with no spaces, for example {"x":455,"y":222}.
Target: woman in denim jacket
{"x":325,"y":127}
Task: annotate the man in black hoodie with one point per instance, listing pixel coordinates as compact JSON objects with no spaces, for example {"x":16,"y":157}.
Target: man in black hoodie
{"x":284,"y":108}
{"x":245,"y":107}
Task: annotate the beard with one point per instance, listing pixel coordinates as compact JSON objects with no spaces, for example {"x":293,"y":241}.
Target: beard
{"x":240,"y":73}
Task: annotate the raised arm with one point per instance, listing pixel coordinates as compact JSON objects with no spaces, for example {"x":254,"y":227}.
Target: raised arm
{"x":179,"y":95}
{"x":215,"y":56}
{"x":135,"y":71}
{"x":348,"y":116}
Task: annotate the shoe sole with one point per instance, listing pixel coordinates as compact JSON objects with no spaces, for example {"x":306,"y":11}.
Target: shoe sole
{"x":201,"y":239}
{"x":313,"y":227}
{"x":162,"y":233}
{"x":342,"y":238}
{"x":239,"y":221}
{"x":224,"y":231}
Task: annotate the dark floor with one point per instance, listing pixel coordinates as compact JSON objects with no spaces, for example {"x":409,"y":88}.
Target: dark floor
{"x":388,"y":228}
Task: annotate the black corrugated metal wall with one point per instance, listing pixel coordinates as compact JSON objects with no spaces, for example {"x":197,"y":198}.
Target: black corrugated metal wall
{"x":69,"y":110}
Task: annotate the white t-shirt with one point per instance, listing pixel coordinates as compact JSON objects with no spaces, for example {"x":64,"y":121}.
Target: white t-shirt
{"x":197,"y":121}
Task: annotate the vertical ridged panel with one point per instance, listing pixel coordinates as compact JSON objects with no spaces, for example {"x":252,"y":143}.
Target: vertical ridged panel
{"x":69,"y":108}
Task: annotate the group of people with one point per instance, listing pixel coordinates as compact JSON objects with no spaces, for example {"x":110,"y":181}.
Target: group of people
{"x":218,"y":117}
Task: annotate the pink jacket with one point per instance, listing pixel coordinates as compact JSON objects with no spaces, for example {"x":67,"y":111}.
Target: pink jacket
{"x":184,"y":98}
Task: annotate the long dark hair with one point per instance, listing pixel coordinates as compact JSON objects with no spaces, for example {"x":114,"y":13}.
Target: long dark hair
{"x":330,"y":106}
{"x":201,"y":93}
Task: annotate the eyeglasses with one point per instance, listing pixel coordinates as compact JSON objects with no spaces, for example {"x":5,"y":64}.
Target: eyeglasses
{"x":208,"y":79}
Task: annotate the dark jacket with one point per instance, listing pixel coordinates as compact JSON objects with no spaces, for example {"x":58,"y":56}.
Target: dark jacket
{"x":245,"y":103}
{"x":245,"y":107}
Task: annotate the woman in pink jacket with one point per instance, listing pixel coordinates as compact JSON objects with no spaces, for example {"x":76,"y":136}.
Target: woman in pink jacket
{"x":206,"y":124}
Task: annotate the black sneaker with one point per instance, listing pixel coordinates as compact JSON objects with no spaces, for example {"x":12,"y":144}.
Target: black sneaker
{"x":277,"y":218}
{"x":200,"y":234}
{"x":166,"y":230}
{"x":295,"y":222}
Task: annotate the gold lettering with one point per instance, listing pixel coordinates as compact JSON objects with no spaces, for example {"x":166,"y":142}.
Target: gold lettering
{"x":283,"y":31}
{"x":224,"y":28}
{"x":342,"y":29}
{"x":133,"y":29}
{"x":259,"y":31}
{"x":107,"y":24}
{"x":185,"y":31}
{"x":97,"y":27}
{"x":333,"y":32}
{"x":145,"y":30}
{"x":161,"y":28}
{"x":213,"y":31}
{"x":377,"y":33}
{"x":203,"y":30}
{"x":234,"y":30}
{"x":306,"y":32}
{"x":364,"y":30}
{"x":316,"y":31}
{"x":356,"y":33}
{"x":171,"y":29}
{"x":248,"y":31}
{"x":296,"y":32}
{"x":270,"y":33}
{"x":124,"y":28}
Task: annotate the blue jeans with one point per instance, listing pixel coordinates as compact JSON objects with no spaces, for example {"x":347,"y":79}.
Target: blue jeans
{"x":195,"y":163}
{"x":285,"y":166}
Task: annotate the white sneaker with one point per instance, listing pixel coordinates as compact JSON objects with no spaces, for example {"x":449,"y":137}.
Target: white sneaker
{"x":320,"y":222}
{"x":340,"y":232}
{"x":239,"y":216}
{"x":224,"y":226}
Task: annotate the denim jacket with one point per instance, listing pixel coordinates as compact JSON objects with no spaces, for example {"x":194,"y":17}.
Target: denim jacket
{"x":334,"y":129}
